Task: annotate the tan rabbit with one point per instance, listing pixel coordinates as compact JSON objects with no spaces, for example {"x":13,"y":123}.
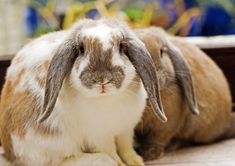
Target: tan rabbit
{"x":189,"y":81}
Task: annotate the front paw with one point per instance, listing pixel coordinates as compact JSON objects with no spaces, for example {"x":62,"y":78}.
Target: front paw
{"x":92,"y":159}
{"x":104,"y":160}
{"x":132,"y":159}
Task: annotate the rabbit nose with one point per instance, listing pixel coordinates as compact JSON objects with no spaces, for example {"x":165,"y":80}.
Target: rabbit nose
{"x":105,"y":81}
{"x":103,"y":78}
{"x":101,"y":81}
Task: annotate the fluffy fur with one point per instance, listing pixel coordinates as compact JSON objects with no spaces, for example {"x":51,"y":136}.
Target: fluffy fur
{"x":76,"y":91}
{"x":210,"y":88}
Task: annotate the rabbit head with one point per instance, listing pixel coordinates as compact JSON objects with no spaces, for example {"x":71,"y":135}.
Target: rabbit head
{"x":101,"y":58}
{"x":171,"y":65}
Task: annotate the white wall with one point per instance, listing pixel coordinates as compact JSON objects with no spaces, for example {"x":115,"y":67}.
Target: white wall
{"x":11,"y":26}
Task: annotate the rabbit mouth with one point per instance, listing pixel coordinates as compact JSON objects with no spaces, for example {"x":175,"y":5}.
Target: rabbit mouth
{"x":102,"y":88}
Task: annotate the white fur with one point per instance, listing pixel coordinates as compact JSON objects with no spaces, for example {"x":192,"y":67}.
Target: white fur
{"x":103,"y":32}
{"x":96,"y":159}
{"x":95,"y":121}
{"x":85,"y":117}
{"x":33,"y":55}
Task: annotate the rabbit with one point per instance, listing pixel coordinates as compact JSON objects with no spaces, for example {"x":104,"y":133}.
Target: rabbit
{"x":76,"y":91}
{"x":194,"y":93}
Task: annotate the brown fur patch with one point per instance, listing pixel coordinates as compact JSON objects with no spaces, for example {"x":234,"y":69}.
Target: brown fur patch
{"x":40,"y":81}
{"x":45,"y":130}
{"x":46,"y":65}
{"x":19,"y":77}
{"x":135,"y":84}
{"x":18,"y":109}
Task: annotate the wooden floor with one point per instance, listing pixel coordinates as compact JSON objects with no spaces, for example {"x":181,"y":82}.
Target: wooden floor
{"x":219,"y":154}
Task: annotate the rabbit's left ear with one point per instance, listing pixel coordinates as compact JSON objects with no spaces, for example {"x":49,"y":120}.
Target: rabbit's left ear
{"x":144,"y":65}
{"x":183,"y":76}
{"x":60,"y":66}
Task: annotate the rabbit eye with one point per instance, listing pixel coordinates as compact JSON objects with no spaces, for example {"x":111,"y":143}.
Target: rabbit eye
{"x":81,"y":49}
{"x":121,"y":48}
{"x":163,"y":50}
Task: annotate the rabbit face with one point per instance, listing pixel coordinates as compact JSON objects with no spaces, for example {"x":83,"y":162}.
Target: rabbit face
{"x":101,"y":58}
{"x":102,"y":67}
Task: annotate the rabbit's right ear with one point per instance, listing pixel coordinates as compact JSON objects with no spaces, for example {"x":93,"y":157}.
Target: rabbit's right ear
{"x":183,"y":75}
{"x":60,"y":66}
{"x":145,"y":67}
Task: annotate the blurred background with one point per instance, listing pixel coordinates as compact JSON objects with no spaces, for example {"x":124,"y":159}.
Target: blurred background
{"x":22,"y":20}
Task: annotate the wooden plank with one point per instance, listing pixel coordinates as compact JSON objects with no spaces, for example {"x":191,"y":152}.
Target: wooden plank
{"x":217,"y":154}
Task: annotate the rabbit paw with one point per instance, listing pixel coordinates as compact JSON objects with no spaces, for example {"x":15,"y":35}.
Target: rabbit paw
{"x":120,"y":163}
{"x":95,"y":159}
{"x":104,"y":160}
{"x":132,"y":159}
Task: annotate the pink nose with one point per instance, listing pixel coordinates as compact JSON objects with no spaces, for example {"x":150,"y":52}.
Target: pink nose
{"x":102,"y":87}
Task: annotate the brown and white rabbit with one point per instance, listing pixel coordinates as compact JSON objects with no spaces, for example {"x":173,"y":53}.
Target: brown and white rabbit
{"x":189,"y":81}
{"x":77,"y":91}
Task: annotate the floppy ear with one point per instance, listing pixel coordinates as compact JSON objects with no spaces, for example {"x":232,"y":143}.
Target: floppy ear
{"x":184,"y":77}
{"x":60,"y":66}
{"x":144,"y":65}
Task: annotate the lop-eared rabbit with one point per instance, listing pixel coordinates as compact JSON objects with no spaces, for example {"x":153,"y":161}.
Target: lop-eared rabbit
{"x":83,"y":90}
{"x":76,"y":91}
{"x":194,"y":94}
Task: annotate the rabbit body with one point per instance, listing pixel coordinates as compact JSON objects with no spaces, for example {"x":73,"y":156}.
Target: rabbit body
{"x":211,"y":93}
{"x":79,"y":123}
